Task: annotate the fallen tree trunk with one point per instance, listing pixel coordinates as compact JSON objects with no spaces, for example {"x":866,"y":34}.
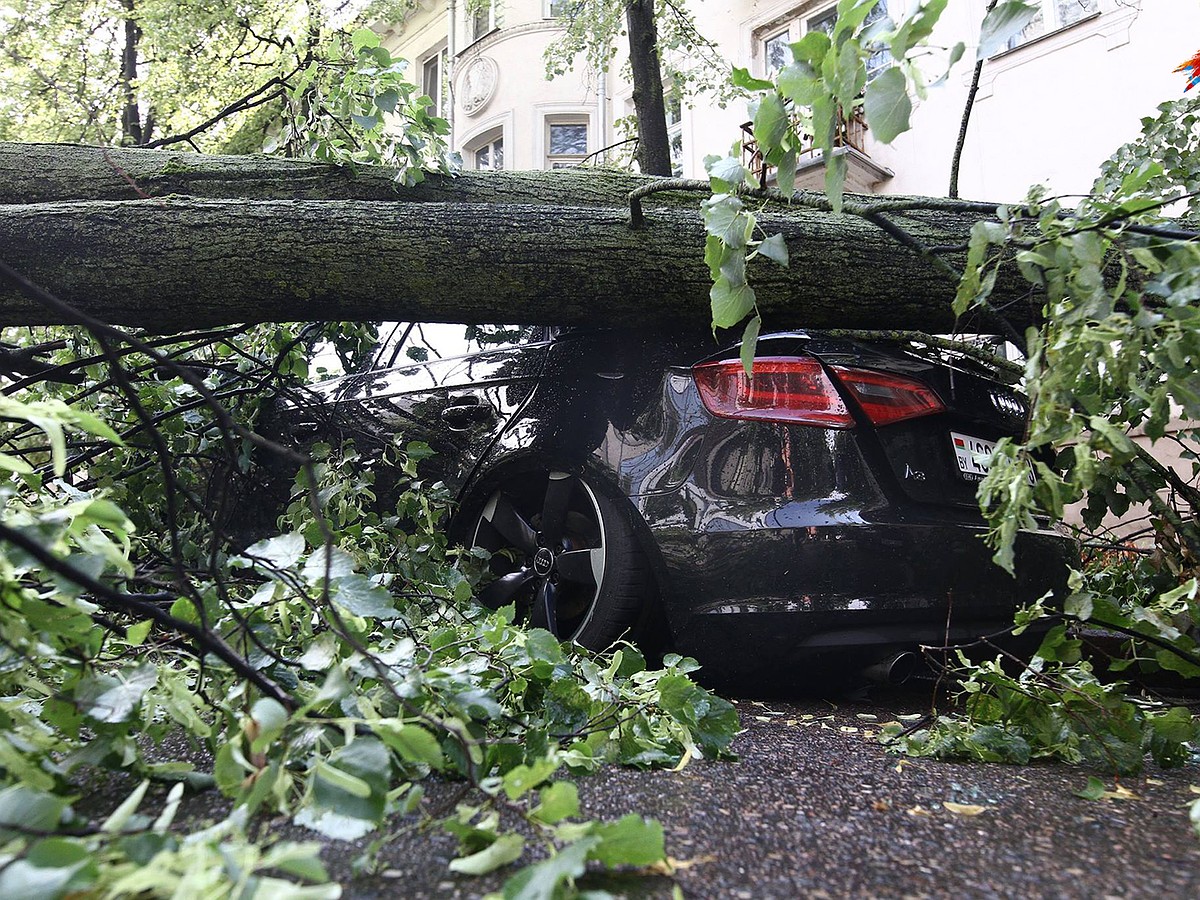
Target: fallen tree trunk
{"x":531,"y":247}
{"x":45,"y":173}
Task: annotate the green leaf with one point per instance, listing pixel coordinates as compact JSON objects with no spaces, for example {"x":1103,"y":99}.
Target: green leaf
{"x":770,"y":123}
{"x":504,"y":850}
{"x":136,"y":634}
{"x":774,"y":248}
{"x":1095,"y":789}
{"x":711,"y":720}
{"x":824,"y":118}
{"x":522,"y":779}
{"x":105,"y":512}
{"x":336,"y":563}
{"x":800,"y":83}
{"x":24,"y":806}
{"x":388,"y":100}
{"x":542,"y":881}
{"x":22,"y":880}
{"x":785,"y":175}
{"x":228,"y":771}
{"x":113,"y":698}
{"x":630,"y":841}
{"x":365,"y":122}
{"x":743,"y":79}
{"x":812,"y":48}
{"x":730,"y":303}
{"x":850,"y":15}
{"x":413,"y":743}
{"x":120,"y":816}
{"x":270,"y":716}
{"x":918,"y":27}
{"x":1078,"y":605}
{"x":724,"y":219}
{"x":54,"y":853}
{"x":349,"y":795}
{"x":359,"y":595}
{"x":1004,"y":22}
{"x":850,"y":75}
{"x":363,"y":37}
{"x":887,"y":105}
{"x":14,"y":464}
{"x":296,"y":859}
{"x":344,"y":781}
{"x":750,"y":343}
{"x":559,"y":801}
{"x":280,"y":552}
{"x":835,"y":180}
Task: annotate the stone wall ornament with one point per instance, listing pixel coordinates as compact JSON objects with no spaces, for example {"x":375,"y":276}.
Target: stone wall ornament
{"x":478,"y":84}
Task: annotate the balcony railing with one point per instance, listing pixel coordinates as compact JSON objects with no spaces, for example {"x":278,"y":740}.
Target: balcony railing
{"x":851,"y":132}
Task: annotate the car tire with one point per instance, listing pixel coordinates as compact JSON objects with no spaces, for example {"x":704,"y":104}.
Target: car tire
{"x":566,"y":556}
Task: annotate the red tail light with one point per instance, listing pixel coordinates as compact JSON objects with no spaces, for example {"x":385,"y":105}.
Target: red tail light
{"x":799,"y":390}
{"x":784,"y":389}
{"x":887,"y":398}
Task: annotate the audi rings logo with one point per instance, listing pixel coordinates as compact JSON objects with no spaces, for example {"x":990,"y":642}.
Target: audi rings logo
{"x":543,"y":561}
{"x":1008,"y":404}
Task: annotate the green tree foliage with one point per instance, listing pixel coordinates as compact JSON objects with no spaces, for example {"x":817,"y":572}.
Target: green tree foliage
{"x":152,"y":72}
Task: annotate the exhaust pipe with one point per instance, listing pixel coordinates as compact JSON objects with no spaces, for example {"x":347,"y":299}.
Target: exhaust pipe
{"x":894,"y":669}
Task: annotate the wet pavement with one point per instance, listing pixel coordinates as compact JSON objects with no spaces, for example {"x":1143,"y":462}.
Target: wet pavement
{"x":816,"y":807}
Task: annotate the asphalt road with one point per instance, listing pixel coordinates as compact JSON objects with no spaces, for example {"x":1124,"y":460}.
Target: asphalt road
{"x":817,"y":808}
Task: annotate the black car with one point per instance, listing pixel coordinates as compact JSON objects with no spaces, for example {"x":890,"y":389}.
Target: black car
{"x":640,"y":485}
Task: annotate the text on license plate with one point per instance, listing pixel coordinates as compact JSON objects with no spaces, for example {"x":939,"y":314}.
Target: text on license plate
{"x":972,"y":454}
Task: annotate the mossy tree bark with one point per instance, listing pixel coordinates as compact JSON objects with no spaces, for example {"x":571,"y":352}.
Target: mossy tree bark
{"x":168,"y":241}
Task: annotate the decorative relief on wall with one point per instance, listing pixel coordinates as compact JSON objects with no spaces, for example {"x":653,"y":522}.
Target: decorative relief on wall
{"x":478,"y":84}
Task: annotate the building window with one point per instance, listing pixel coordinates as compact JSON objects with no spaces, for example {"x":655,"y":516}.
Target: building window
{"x":1053,"y":15}
{"x":490,"y":156}
{"x":560,"y":9}
{"x":433,"y":81}
{"x":674,"y":110}
{"x":777,"y":53}
{"x":566,"y":144}
{"x":481,"y":19}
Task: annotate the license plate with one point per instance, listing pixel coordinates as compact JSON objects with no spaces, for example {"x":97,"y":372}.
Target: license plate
{"x":972,"y":454}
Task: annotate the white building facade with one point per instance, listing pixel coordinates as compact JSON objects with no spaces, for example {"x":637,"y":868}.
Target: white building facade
{"x":1049,"y":109}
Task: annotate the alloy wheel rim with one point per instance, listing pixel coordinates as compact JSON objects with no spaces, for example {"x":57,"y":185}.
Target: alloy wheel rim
{"x":548,"y":552}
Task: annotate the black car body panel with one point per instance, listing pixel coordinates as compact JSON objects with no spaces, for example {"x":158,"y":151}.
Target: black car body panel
{"x":771,"y":542}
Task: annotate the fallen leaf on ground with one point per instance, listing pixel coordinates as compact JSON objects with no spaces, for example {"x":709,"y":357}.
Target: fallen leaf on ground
{"x":671,"y":865}
{"x":964,"y":809}
{"x":919,"y":811}
{"x":683,"y":760}
{"x":1095,"y":790}
{"x":881,"y":805}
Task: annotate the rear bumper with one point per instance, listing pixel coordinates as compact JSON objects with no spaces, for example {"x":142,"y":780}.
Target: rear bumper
{"x":776,"y":596}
